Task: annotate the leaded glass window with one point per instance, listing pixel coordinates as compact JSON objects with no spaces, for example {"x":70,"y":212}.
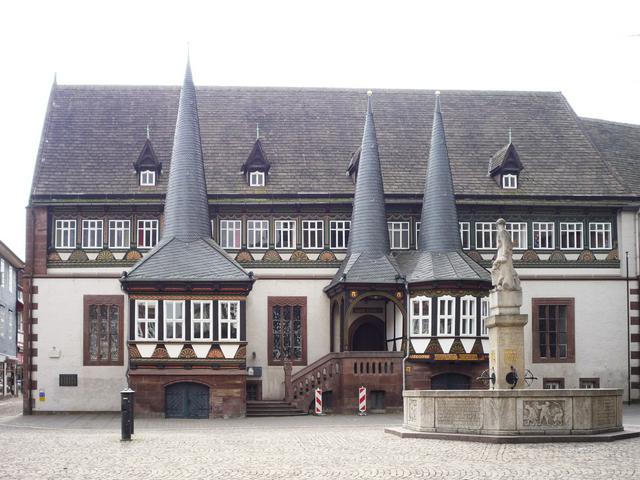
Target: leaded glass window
{"x":103,"y":325}
{"x":287,"y":328}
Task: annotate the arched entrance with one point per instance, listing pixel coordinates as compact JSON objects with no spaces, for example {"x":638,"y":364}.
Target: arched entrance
{"x":187,"y":400}
{"x":366,"y":334}
{"x":450,"y":381}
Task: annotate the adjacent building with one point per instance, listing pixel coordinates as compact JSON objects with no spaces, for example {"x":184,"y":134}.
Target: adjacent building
{"x":10,"y":321}
{"x":217,"y":246}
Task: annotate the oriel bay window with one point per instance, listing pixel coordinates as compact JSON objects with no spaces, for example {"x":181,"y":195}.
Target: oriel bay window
{"x":553,"y":330}
{"x":420,"y":316}
{"x":103,"y":324}
{"x":146,"y":319}
{"x":201,"y":319}
{"x":287,"y":330}
{"x":228,"y":320}
{"x":446,"y":316}
{"x":484,"y":314}
{"x":173,"y":320}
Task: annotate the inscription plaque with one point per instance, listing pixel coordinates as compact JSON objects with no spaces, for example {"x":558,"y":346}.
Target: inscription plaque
{"x":458,"y":413}
{"x":604,"y":412}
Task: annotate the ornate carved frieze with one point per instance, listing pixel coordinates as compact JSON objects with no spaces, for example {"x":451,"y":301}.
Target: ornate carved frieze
{"x":612,"y":256}
{"x":105,"y":256}
{"x":586,"y":256}
{"x":241,"y":353}
{"x":133,"y":255}
{"x":187,"y":352}
{"x":434,"y":346}
{"x":440,"y":292}
{"x":271,"y":255}
{"x":54,"y":256}
{"x":412,"y":409}
{"x":134,"y":352}
{"x":326,"y":256}
{"x":457,"y":347}
{"x":541,"y":413}
{"x":299,"y":256}
{"x":215,"y":352}
{"x":78,"y":255}
{"x":530,"y":256}
{"x":244,"y":256}
{"x":477,"y":347}
{"x":557,"y":257}
{"x":160,"y":352}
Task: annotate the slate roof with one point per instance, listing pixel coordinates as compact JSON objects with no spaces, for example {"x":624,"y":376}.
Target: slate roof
{"x":187,"y":252}
{"x":439,"y":230}
{"x":178,"y":260}
{"x":425,"y":266}
{"x":368,"y":253}
{"x":92,"y":134}
{"x":619,"y":144}
{"x":502,"y":155}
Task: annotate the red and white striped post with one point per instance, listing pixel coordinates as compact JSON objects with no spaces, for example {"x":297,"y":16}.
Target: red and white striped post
{"x":318,"y":410}
{"x":362,"y":401}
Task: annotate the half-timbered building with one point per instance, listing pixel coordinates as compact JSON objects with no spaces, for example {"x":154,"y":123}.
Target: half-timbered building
{"x":214,"y":247}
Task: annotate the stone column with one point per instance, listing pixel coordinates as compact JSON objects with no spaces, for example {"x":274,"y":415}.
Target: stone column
{"x":506,"y":336}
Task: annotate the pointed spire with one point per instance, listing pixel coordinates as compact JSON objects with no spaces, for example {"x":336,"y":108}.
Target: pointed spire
{"x":369,"y":234}
{"x":439,"y":231}
{"x":186,"y":208}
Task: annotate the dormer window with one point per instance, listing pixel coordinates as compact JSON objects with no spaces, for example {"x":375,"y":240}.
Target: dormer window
{"x":256,"y":167}
{"x":147,"y":178}
{"x":147,"y":165}
{"x":256,"y":179}
{"x":509,"y":181}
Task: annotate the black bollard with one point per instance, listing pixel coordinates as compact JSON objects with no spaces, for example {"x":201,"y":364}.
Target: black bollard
{"x":126,"y":397}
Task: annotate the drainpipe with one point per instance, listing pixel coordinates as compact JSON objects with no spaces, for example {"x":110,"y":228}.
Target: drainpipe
{"x":408,"y":337}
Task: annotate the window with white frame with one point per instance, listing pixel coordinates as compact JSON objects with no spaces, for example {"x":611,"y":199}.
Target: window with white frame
{"x":398,"y":235}
{"x":257,"y":233}
{"x":147,"y":233}
{"x":146,"y":319}
{"x":173,"y":319}
{"x":92,"y":234}
{"x":12,"y":277}
{"x":543,"y":235}
{"x":446,"y":316}
{"x":312,"y":234}
{"x":571,"y":236}
{"x":2,"y":273}
{"x":486,"y":235}
{"x":417,"y":233}
{"x":65,"y":234}
{"x":468,"y":316}
{"x":229,"y":320}
{"x":285,"y":233}
{"x":147,"y":178}
{"x":340,"y":233}
{"x":119,"y":233}
{"x":201,"y":319}
{"x":600,"y":235}
{"x":420,"y":316}
{"x":484,"y":314}
{"x":465,"y":235}
{"x":518,"y":231}
{"x":509,"y":180}
{"x":230,"y":233}
{"x":256,"y":179}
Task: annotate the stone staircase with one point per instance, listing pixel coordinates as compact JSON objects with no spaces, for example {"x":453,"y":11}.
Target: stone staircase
{"x":272,"y":408}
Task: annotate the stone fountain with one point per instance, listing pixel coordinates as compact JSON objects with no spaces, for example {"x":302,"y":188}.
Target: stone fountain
{"x":507,"y":411}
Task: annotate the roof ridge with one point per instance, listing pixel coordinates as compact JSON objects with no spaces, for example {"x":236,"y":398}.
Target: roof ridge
{"x":601,"y":120}
{"x":159,"y":246}
{"x":45,"y":130}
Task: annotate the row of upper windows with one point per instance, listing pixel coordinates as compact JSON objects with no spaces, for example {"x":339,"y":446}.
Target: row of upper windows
{"x":147,"y":319}
{"x":422,"y":314}
{"x":7,"y":275}
{"x":543,"y":234}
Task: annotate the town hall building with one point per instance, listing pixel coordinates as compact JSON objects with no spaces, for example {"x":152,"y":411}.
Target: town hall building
{"x":215,"y":248}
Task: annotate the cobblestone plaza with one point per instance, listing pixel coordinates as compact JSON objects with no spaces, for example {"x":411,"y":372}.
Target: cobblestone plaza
{"x":89,"y":446}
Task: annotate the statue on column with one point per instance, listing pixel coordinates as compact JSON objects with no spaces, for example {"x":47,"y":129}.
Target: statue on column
{"x":503,"y":275}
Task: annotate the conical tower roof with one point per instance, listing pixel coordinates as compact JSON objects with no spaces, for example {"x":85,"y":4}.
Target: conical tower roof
{"x":186,"y":208}
{"x":368,"y":257}
{"x":187,"y":252}
{"x":369,"y":233}
{"x":439,"y":231}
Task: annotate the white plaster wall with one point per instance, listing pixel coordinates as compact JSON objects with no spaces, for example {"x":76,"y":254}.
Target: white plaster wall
{"x":60,"y":325}
{"x":318,"y":340}
{"x":600,"y":331}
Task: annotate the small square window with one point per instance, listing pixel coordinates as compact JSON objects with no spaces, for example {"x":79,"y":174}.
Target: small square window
{"x":256,"y":179}
{"x":147,"y":178}
{"x":509,"y":181}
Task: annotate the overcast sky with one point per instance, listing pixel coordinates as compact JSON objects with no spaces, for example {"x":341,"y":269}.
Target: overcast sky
{"x":588,"y":50}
